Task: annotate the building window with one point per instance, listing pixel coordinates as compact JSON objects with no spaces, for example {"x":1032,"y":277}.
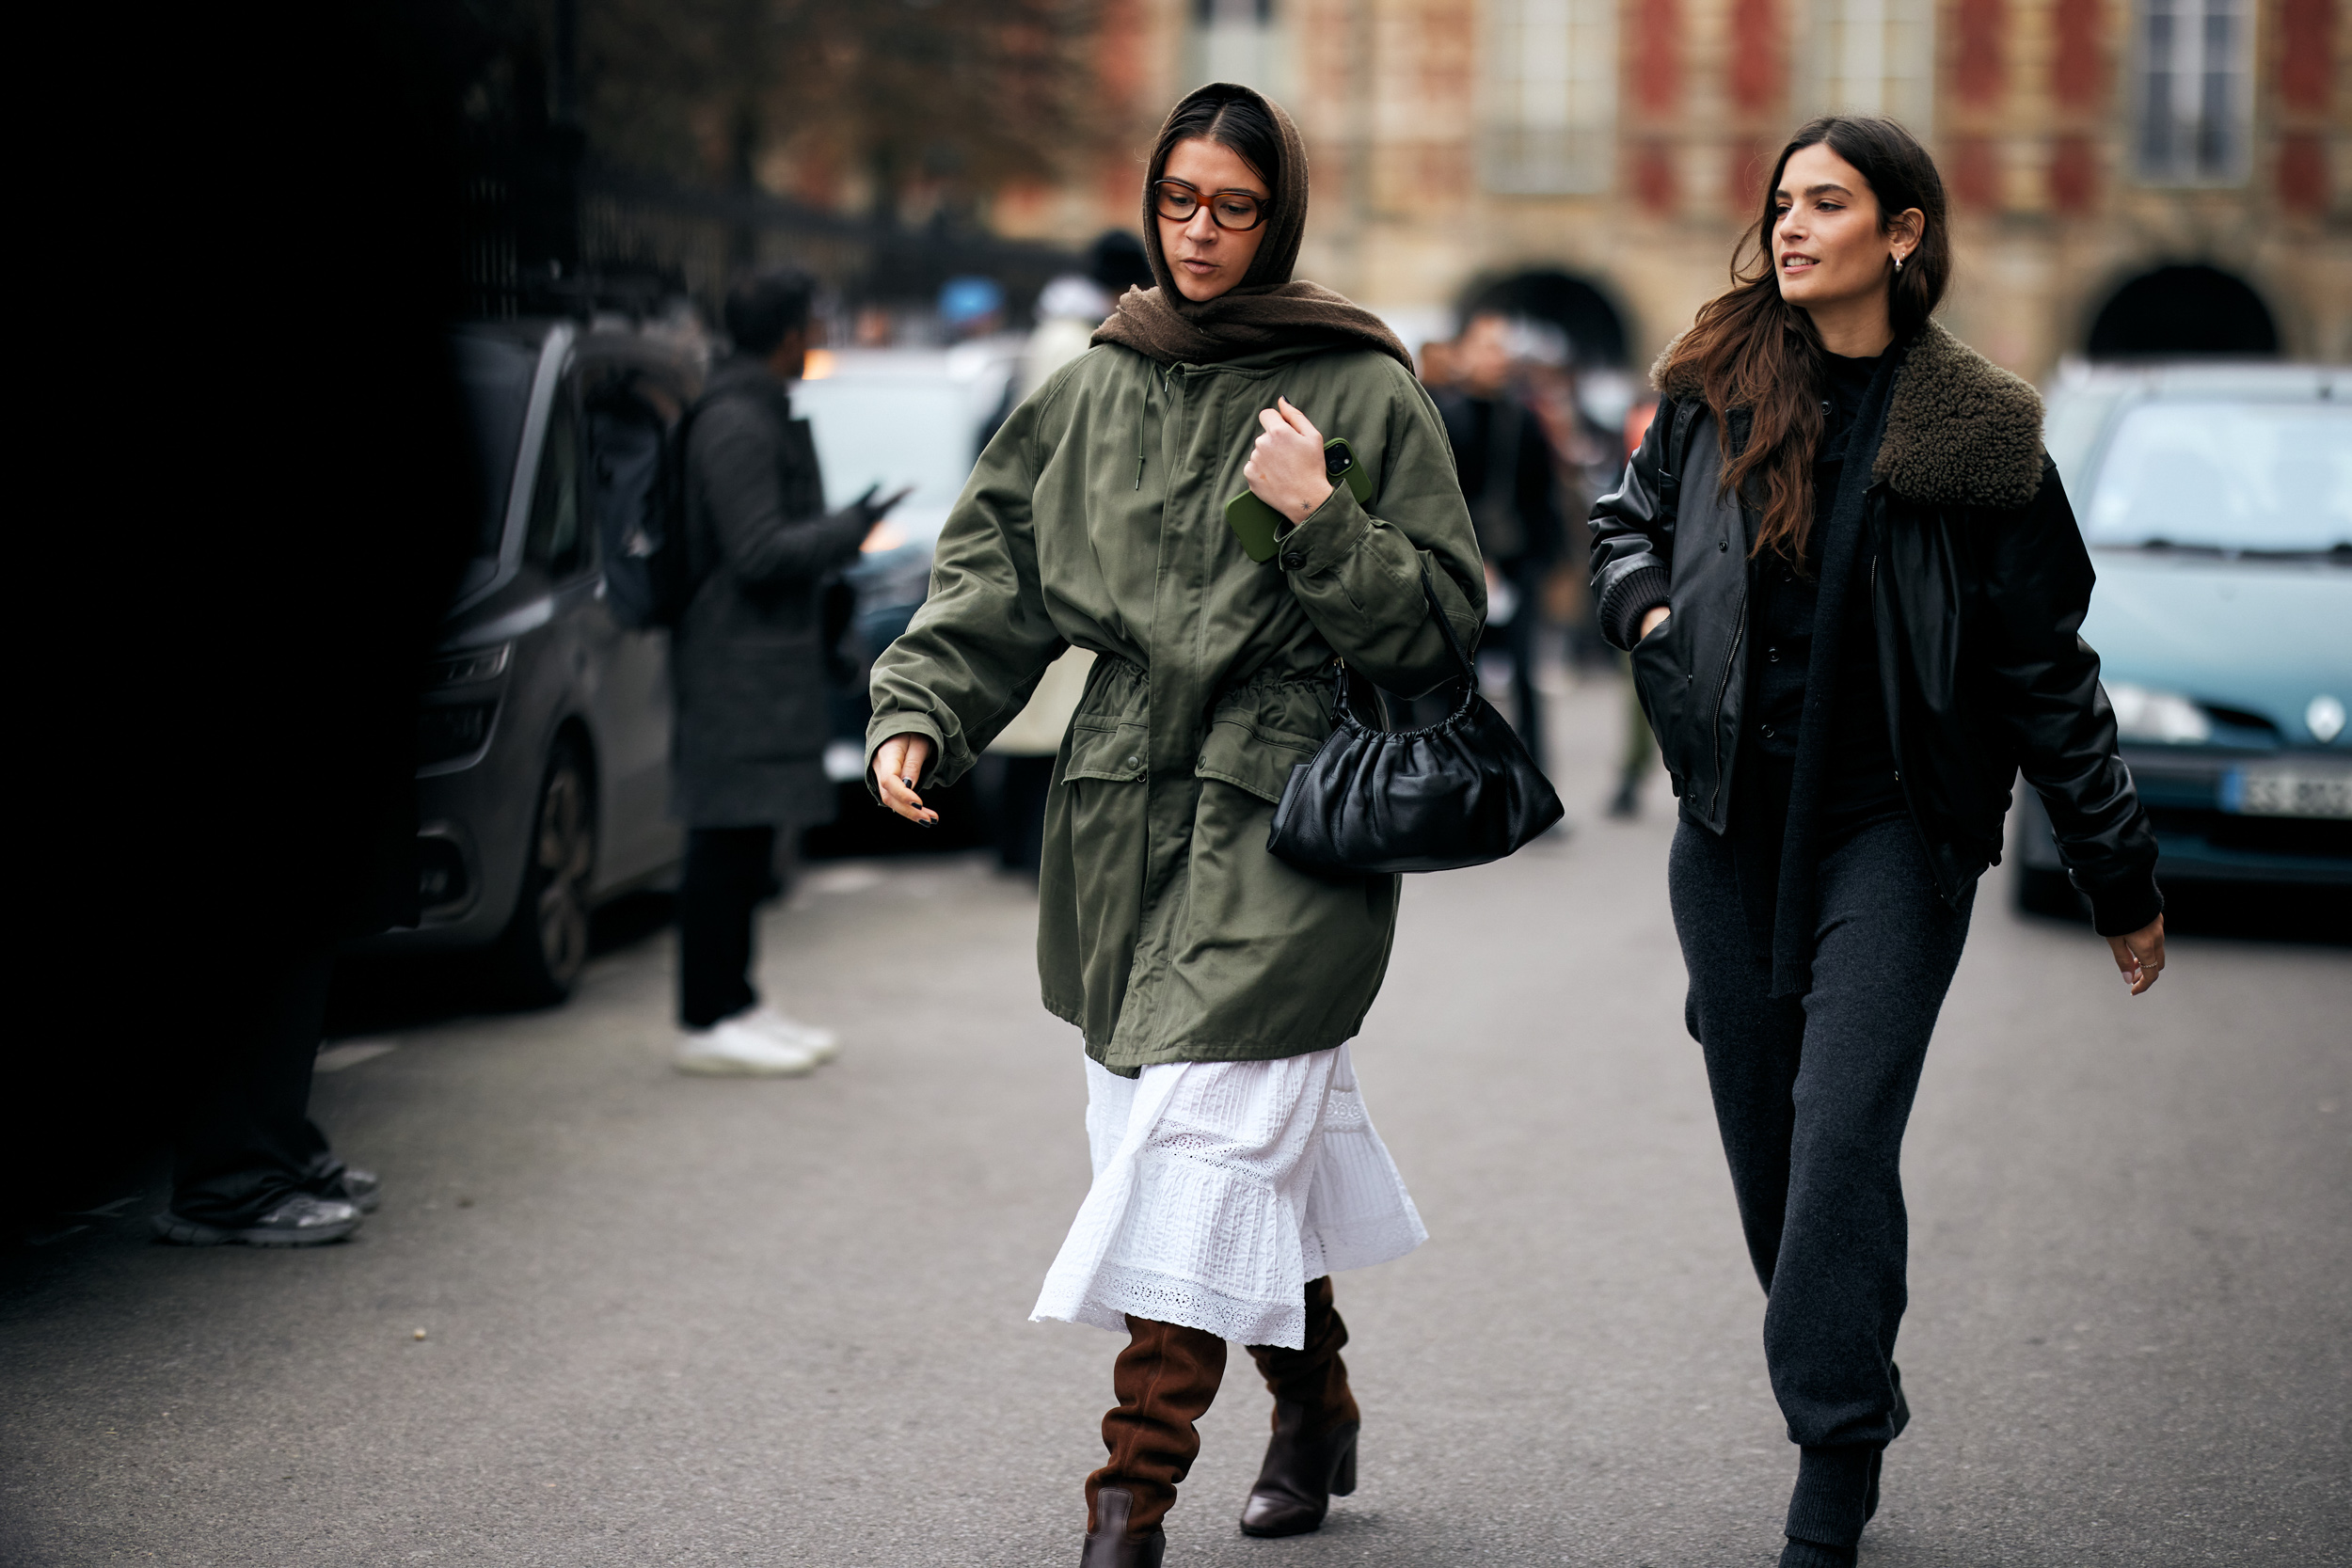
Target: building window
{"x":1239,"y":41}
{"x":1551,"y":96}
{"x":2194,"y":102}
{"x":1872,"y":57}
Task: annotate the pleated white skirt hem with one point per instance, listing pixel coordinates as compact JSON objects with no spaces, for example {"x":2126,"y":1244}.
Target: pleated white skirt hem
{"x":1220,"y":1188}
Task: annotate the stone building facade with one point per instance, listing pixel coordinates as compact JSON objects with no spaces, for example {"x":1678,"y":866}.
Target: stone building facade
{"x":2128,"y":176}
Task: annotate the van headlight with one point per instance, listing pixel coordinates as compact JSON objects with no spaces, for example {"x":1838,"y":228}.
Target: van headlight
{"x":2163,"y":717}
{"x":464,"y":669}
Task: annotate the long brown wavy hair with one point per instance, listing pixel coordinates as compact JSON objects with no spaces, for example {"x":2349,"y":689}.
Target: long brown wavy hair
{"x":1749,"y":349}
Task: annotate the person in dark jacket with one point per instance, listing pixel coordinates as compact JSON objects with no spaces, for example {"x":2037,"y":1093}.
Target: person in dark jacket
{"x":1850,"y":585}
{"x":747,"y":667}
{"x":1509,"y":482}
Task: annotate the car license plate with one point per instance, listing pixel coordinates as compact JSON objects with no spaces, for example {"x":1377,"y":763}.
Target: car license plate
{"x":2287,"y":792}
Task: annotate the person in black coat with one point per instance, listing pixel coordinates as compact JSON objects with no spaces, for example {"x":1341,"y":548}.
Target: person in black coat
{"x":748,"y":670}
{"x":230,"y":759}
{"x":1508,"y":479}
{"x":1851,"y":587}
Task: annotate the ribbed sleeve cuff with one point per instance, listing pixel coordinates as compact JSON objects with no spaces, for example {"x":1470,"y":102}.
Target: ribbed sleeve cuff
{"x":1631,"y":598}
{"x":2125,"y":905}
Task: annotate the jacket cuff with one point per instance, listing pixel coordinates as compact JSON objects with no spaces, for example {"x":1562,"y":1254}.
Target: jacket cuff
{"x":2124,"y":905}
{"x":1327,"y":537}
{"x":1626,"y":600}
{"x":884,"y":725}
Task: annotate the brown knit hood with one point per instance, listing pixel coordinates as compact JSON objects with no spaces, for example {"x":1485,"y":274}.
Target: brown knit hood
{"x":1267,"y":308}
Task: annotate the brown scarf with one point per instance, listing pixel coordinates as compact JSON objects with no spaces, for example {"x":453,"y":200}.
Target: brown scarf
{"x":1268,"y":308}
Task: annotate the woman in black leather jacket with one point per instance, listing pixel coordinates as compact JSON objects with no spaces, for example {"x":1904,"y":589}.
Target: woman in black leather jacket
{"x":1850,"y":584}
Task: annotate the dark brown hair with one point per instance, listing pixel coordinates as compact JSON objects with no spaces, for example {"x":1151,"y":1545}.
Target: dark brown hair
{"x":1749,"y":349}
{"x":1232,"y":117}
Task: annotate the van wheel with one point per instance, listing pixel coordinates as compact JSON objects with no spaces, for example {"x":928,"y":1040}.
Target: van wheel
{"x":545,"y":945}
{"x":2042,"y":891}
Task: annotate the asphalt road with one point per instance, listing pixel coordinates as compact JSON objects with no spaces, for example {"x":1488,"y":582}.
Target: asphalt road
{"x":614,"y":1315}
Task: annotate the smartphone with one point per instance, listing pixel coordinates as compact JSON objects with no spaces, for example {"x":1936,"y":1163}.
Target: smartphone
{"x":1259,"y":526}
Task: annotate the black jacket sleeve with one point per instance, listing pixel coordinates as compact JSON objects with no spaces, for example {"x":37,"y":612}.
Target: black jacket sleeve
{"x":2034,"y":577}
{"x":739,"y":448}
{"x":1633,"y":533}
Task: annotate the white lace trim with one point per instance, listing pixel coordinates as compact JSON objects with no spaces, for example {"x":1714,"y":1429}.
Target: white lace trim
{"x":1220,"y":1188}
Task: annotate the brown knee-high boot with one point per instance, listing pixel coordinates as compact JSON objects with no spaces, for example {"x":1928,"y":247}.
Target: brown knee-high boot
{"x":1165,"y":1379}
{"x":1312,"y":1455}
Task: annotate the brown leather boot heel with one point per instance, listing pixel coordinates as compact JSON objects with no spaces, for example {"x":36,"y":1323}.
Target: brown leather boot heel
{"x":1111,"y":1544}
{"x":1300,"y":1478}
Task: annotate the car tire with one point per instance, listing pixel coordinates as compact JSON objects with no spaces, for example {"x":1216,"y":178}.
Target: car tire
{"x":545,"y":944}
{"x":2041,"y":889}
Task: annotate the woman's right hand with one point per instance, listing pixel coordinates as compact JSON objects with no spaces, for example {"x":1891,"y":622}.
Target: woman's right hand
{"x":1653,"y":618}
{"x":897,"y":763}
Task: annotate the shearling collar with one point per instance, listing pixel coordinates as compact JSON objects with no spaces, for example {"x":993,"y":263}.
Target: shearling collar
{"x":1961,"y":431}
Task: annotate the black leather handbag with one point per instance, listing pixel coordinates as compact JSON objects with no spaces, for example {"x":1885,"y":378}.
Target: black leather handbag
{"x":1461,"y":792}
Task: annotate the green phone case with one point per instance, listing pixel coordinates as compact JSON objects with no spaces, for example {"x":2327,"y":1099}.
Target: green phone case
{"x":1259,"y":525}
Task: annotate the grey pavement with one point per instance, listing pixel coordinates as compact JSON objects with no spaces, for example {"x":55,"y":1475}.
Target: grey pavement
{"x":612,"y":1315}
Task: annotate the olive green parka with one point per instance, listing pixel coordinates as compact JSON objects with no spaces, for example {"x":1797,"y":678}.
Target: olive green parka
{"x":1095,"y":519}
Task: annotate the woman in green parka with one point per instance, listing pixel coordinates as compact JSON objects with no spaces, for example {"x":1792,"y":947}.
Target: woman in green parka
{"x":1215,"y":985}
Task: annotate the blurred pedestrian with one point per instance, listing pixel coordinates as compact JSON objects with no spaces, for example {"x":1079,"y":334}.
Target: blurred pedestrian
{"x":1844,"y":703}
{"x":209,"y":869}
{"x":1639,"y":754}
{"x":1235,"y":1170}
{"x":748,"y":671}
{"x":1508,"y":477}
{"x":971,"y":307}
{"x":1073,"y":305}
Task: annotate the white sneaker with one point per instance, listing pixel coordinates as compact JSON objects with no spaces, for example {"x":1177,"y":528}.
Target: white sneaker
{"x":733,"y":1048}
{"x":823,"y":1044}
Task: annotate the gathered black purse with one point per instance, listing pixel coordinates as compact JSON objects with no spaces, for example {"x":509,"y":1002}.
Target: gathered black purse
{"x":1461,"y":792}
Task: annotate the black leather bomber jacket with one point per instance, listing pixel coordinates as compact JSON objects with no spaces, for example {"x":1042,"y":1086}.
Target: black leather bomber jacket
{"x":1978,"y":588}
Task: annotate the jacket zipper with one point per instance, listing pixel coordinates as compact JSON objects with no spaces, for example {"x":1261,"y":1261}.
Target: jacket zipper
{"x":1723,"y":690}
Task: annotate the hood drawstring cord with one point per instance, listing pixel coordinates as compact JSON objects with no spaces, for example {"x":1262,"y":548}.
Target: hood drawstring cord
{"x":1143,"y":422}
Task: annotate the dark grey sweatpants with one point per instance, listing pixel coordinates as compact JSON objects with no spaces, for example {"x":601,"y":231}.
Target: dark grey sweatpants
{"x":1812,"y":1095}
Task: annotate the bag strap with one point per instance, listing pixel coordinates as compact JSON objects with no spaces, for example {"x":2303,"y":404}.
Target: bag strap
{"x":1429,"y":591}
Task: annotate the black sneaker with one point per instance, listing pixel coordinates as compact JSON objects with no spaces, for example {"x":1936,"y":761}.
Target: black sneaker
{"x":300,"y":1221}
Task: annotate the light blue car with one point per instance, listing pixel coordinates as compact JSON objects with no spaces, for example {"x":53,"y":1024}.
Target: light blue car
{"x":2216,"y":501}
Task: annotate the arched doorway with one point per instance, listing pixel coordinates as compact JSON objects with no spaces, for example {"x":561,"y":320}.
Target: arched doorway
{"x":2184,"y":309}
{"x":1595,"y":331}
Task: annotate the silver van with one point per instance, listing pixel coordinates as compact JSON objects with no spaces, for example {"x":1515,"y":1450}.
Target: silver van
{"x":543,"y":740}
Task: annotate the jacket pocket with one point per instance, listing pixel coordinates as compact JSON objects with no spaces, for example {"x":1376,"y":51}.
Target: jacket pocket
{"x":1260,"y":733}
{"x":1109,"y":733}
{"x":1662,"y":680}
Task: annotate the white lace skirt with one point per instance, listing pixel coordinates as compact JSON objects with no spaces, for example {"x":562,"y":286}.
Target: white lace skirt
{"x":1220,"y":1188}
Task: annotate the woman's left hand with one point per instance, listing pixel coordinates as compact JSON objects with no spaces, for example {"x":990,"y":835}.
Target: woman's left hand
{"x":2140,"y":955}
{"x":1285,"y":468}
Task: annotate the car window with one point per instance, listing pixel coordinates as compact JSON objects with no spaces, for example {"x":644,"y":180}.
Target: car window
{"x":495,"y":378}
{"x":556,"y":541}
{"x":2270,"y":477}
{"x":890,"y":431}
{"x":2071,"y":429}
